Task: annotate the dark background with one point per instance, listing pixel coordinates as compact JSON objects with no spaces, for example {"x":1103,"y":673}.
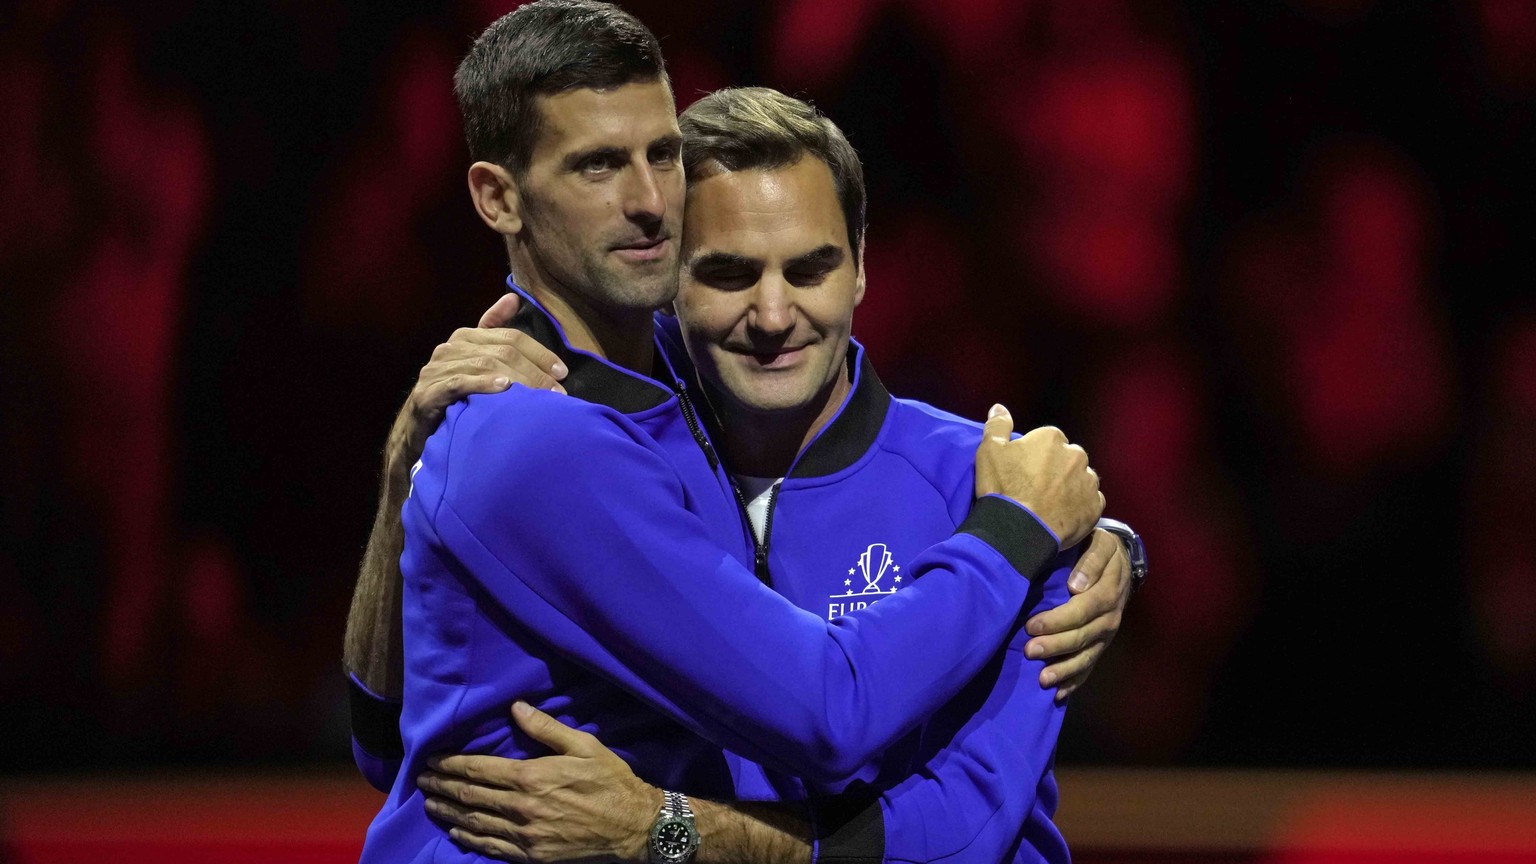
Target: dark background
{"x":1271,"y":262}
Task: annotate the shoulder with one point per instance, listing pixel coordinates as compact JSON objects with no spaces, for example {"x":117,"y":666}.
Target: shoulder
{"x":919,"y":427}
{"x":527,"y":420}
{"x":527,"y":439}
{"x":939,"y":445}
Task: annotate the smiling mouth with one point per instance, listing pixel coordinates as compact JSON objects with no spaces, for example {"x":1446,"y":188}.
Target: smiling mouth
{"x":772,"y":359}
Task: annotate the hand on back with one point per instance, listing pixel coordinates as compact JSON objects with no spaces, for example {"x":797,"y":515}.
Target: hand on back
{"x":487,"y":358}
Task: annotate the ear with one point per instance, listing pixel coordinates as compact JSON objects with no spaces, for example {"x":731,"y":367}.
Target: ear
{"x":858,"y":292}
{"x":493,"y":191}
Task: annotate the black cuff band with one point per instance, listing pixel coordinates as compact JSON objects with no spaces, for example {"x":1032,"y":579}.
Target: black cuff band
{"x":375,"y":722}
{"x":1013,"y":531}
{"x":850,"y":829}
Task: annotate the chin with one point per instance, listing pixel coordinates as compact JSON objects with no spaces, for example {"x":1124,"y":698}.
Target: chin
{"x":772,"y":402}
{"x":649,"y":295}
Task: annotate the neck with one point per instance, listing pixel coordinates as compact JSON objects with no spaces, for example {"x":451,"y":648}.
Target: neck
{"x":621,"y":336}
{"x":765,"y":444}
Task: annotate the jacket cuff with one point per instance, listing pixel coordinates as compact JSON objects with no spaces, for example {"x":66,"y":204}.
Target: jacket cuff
{"x":1014,"y":531}
{"x":375,"y":721}
{"x":848,"y":829}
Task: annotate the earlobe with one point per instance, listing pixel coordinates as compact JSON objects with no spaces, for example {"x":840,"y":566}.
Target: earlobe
{"x":494,"y":193}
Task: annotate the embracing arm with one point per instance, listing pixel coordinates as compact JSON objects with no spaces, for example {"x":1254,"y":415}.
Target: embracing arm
{"x":372,"y":653}
{"x":485,"y":359}
{"x":584,"y":804}
{"x":611,"y":569}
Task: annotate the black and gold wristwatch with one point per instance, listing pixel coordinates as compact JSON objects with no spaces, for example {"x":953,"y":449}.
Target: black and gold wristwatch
{"x":1135,"y":550}
{"x":674,"y":837}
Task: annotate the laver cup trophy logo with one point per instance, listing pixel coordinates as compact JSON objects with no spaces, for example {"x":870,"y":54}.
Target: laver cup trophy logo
{"x":874,"y":564}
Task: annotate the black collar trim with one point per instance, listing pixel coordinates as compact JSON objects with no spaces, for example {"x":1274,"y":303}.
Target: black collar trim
{"x":844,"y":441}
{"x":591,"y":377}
{"x":856,"y":426}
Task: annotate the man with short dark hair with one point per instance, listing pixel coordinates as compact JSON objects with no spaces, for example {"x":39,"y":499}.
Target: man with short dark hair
{"x":774,"y":215}
{"x":495,"y":559}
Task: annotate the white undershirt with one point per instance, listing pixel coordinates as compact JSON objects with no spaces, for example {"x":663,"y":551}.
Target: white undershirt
{"x":757,"y":491}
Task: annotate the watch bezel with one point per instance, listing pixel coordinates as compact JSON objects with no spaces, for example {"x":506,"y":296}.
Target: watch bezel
{"x":661,"y":823}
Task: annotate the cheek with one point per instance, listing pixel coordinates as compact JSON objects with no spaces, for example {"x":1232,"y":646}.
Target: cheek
{"x":696,"y":313}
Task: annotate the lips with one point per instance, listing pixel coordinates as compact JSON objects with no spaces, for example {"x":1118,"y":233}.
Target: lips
{"x":779,"y":359}
{"x":643,"y":250}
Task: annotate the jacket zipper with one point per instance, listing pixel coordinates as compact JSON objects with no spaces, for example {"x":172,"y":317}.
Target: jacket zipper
{"x":694,"y":428}
{"x":759,"y":547}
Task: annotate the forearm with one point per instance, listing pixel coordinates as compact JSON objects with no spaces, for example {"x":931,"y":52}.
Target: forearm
{"x":372,"y":650}
{"x":749,"y":832}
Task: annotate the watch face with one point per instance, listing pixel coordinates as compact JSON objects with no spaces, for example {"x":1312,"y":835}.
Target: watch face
{"x":673,"y":840}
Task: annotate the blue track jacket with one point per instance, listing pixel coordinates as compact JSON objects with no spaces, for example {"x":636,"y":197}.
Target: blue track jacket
{"x":587,"y":555}
{"x":885,"y":479}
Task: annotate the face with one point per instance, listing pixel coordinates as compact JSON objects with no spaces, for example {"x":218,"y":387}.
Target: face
{"x":602,"y":199}
{"x":769,"y":285}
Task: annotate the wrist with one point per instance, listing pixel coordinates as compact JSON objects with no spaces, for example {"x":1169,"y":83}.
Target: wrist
{"x":674,"y":836}
{"x":647,"y":804}
{"x":1135,"y":550}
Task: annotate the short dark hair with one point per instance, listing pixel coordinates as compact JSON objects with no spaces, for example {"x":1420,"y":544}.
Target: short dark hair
{"x":539,"y":49}
{"x":741,"y":128}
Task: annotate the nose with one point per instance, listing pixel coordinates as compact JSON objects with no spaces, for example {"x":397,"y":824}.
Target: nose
{"x":645,"y":201}
{"x":772,"y":312}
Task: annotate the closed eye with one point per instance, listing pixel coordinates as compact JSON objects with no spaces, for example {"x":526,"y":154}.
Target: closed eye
{"x":726,"y":280}
{"x":807,"y":277}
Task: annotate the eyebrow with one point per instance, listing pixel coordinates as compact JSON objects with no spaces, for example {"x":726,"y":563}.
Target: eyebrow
{"x":829,"y":256}
{"x":720,"y":260}
{"x":619,"y":154}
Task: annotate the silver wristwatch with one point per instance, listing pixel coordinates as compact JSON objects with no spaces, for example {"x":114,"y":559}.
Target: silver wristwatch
{"x":1135,"y":550}
{"x":674,"y":837}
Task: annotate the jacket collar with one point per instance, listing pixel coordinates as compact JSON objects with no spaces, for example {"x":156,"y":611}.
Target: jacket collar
{"x":843,"y":441}
{"x":853,"y":430}
{"x":591,"y":377}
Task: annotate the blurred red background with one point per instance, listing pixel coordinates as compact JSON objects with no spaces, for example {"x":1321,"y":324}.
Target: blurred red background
{"x":1271,"y":262}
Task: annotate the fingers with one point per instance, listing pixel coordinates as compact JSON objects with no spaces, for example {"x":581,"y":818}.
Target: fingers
{"x":481,"y":770}
{"x":999,"y":426}
{"x":1073,"y":672}
{"x":502,"y":311}
{"x":484,"y":832}
{"x":1094,"y":561}
{"x":1101,"y":598}
{"x":552,"y":733}
{"x":490,"y":847}
{"x":1070,"y":668}
{"x":1053,"y":435}
{"x":1058,"y":644}
{"x":1072,"y":629}
{"x":500,"y":344}
{"x":504,"y":345}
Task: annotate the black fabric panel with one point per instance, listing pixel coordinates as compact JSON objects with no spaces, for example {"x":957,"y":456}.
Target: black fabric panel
{"x":1013,"y":531}
{"x":853,"y":431}
{"x":375,"y":722}
{"x":850,"y":829}
{"x":592,"y":379}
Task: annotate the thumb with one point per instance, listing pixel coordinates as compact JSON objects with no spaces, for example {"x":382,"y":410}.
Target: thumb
{"x":501,"y":312}
{"x":999,"y":425}
{"x":550,"y":732}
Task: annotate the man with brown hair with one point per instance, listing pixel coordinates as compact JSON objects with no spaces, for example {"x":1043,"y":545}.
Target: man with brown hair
{"x":505,"y":602}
